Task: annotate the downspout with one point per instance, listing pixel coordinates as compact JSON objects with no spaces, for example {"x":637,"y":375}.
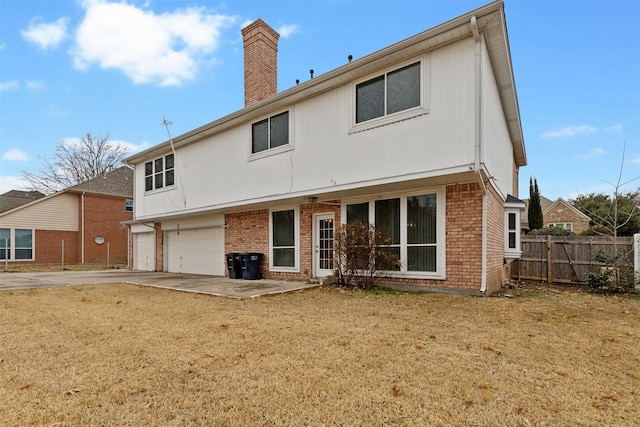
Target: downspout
{"x":477,"y":132}
{"x":82,"y":228}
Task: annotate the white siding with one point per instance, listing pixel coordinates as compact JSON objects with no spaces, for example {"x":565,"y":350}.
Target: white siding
{"x":57,"y":212}
{"x":497,"y":150}
{"x":327,"y":153}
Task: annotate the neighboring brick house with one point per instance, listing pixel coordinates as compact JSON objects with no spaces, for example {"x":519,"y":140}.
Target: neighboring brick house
{"x":422,"y":138}
{"x":558,"y":214}
{"x":81,"y":224}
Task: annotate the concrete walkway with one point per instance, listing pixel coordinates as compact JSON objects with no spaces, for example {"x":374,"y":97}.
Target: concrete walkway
{"x":210,"y":285}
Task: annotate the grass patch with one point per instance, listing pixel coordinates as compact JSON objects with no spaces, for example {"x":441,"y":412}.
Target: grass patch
{"x":127,"y":355}
{"x":38,"y":268}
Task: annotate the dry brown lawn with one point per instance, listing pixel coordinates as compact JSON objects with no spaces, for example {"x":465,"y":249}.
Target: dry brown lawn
{"x":125,"y":355}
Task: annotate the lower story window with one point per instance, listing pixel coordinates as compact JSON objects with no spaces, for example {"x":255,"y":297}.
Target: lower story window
{"x":414,"y":224}
{"x":284,"y":239}
{"x":22,"y":248}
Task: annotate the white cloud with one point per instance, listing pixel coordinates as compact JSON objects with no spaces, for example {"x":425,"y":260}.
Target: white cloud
{"x":595,"y":152}
{"x":8,"y":183}
{"x":2,"y":46}
{"x":288,"y":30}
{"x":635,"y":160}
{"x":15,"y":155}
{"x":10,"y":85}
{"x":46,"y":35}
{"x":35,"y":84}
{"x":163,"y":49}
{"x":614,"y":128}
{"x":569,"y":131}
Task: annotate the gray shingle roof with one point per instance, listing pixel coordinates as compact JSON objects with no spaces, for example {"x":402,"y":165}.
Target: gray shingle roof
{"x":14,"y":198}
{"x":118,"y":182}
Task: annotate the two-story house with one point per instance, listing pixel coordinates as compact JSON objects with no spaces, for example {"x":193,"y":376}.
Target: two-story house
{"x":422,"y":138}
{"x":78,"y":225}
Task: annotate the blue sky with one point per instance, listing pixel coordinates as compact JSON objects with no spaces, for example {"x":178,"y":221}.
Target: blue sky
{"x":68,"y":68}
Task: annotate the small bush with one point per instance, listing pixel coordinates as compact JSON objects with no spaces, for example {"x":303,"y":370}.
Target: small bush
{"x":363,"y":254}
{"x":617,"y":274}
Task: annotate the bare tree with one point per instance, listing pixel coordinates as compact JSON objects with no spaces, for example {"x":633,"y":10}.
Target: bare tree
{"x":75,"y":163}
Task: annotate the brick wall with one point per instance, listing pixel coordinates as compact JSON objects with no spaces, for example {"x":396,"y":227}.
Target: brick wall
{"x":102,"y":217}
{"x":48,"y":245}
{"x":249,"y":232}
{"x":497,"y":271}
{"x":159,"y":246}
{"x":563,"y":215}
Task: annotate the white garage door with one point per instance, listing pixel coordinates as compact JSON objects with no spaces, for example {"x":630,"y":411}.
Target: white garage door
{"x":197,"y":251}
{"x":144,"y":251}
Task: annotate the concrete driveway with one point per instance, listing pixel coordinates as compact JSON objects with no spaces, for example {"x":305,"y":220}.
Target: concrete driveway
{"x":210,"y":285}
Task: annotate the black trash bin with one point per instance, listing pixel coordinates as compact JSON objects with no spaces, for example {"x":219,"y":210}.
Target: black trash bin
{"x":234,"y":266}
{"x":251,"y":266}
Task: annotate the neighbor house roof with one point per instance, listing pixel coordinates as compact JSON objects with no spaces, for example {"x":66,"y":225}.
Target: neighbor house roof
{"x":118,"y":182}
{"x":489,"y":20}
{"x":14,"y":198}
{"x":563,"y":204}
{"x":544,"y":204}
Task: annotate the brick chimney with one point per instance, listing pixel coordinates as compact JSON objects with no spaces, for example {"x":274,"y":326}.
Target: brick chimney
{"x":260,"y":62}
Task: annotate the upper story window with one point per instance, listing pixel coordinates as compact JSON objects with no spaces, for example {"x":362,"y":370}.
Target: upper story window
{"x":159,"y":173}
{"x":390,"y":93}
{"x":270,"y":133}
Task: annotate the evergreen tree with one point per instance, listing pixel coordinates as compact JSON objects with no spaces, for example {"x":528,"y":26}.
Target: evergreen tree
{"x":535,"y":210}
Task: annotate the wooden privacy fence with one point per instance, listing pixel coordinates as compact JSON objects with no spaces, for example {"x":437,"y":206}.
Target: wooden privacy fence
{"x":565,"y":259}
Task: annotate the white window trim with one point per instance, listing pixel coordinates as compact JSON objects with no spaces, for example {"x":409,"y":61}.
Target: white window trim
{"x":12,"y":248}
{"x":441,"y":243}
{"x":164,"y":175}
{"x":296,"y":213}
{"x":517,"y":251}
{"x":272,"y":151}
{"x":422,"y":109}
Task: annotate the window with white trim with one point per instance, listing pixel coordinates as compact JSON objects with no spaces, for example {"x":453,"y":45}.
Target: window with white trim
{"x":284,"y":239}
{"x":564,"y":225}
{"x":512,"y":233}
{"x":389,"y":93}
{"x":270,"y":133}
{"x":415,"y":224}
{"x":22,"y":249}
{"x":159,"y":173}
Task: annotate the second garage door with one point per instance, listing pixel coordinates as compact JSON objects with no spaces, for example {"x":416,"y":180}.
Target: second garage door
{"x":196,"y":251}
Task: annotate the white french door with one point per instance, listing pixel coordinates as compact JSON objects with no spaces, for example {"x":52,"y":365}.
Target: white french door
{"x":323,"y":235}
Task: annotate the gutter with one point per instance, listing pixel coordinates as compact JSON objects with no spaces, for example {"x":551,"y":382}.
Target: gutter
{"x":477,"y":132}
{"x":82,"y":227}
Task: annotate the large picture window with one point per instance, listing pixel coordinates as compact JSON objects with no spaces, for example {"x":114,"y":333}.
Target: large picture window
{"x":415,"y":225}
{"x":270,"y":133}
{"x":22,"y":248}
{"x":390,"y":93}
{"x":284,"y":239}
{"x":159,"y":173}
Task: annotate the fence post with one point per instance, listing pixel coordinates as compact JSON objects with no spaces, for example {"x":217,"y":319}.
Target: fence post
{"x":549,"y":260}
{"x":636,"y":257}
